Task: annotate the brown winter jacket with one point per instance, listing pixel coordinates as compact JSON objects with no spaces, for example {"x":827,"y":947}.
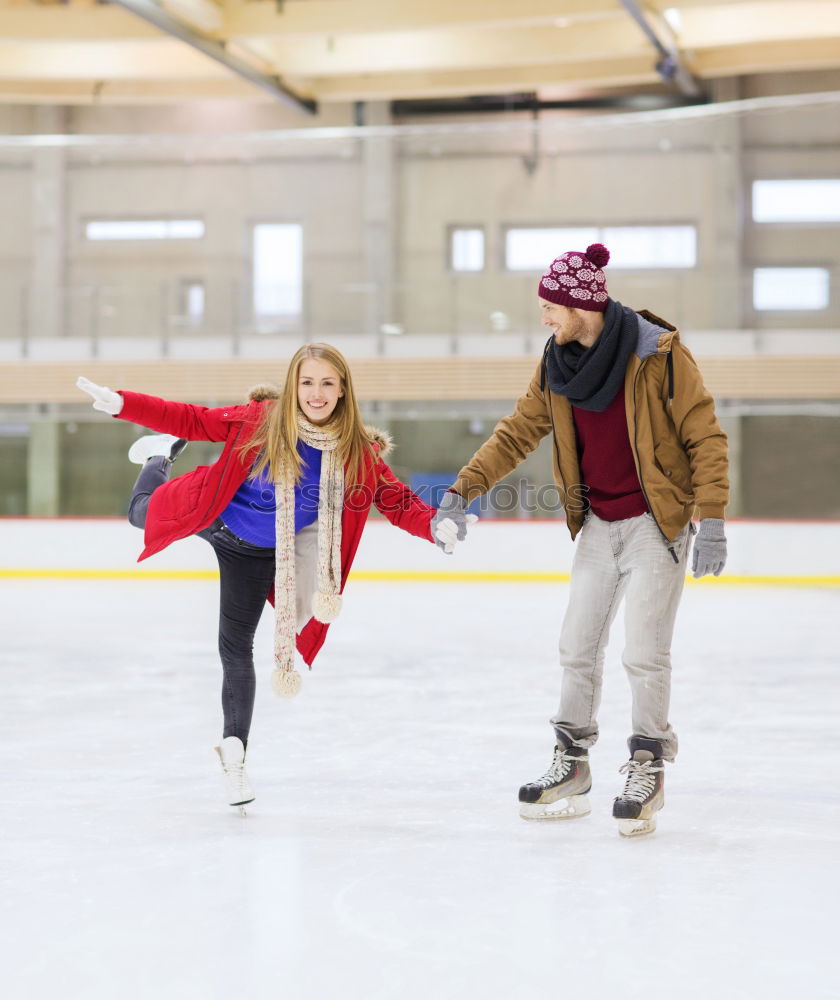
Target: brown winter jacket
{"x":678,"y":446}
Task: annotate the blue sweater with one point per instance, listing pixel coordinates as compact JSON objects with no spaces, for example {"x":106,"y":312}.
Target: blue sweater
{"x":250,"y":514}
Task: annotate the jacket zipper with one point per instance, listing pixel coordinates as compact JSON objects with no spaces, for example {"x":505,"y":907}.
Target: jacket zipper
{"x":554,"y":434}
{"x":639,"y":467}
{"x":224,"y":471}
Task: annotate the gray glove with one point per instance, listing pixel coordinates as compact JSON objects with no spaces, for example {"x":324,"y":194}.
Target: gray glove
{"x":449,"y":525}
{"x":709,"y":548}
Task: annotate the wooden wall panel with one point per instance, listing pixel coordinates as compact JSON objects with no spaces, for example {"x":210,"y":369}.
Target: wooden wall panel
{"x":390,"y":379}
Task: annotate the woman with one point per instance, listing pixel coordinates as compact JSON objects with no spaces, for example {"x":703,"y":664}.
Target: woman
{"x":284,"y":507}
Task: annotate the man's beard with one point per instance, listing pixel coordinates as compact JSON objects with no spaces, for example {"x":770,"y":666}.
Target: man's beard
{"x":570,"y":331}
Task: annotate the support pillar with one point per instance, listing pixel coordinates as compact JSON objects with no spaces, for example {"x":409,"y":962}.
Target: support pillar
{"x":379,"y":209}
{"x":42,"y":467}
{"x":731,"y":425}
{"x":47,"y":276}
{"x":728,"y":275}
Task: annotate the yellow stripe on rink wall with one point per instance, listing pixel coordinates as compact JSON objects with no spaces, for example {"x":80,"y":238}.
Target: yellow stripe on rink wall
{"x":394,"y":576}
{"x":108,"y":574}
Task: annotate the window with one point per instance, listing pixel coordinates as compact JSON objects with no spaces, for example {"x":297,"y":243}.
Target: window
{"x":192,"y":301}
{"x":533,"y":249}
{"x":796,"y":201}
{"x":144,"y":229}
{"x":466,"y":249}
{"x":278,"y":270}
{"x":790,"y":288}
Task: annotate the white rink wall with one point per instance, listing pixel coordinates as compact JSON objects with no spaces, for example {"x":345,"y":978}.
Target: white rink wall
{"x":799,"y":551}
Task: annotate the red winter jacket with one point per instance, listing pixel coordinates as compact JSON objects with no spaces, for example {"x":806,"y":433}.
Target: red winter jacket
{"x":189,"y":503}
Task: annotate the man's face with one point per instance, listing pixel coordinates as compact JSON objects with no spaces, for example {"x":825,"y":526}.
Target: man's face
{"x":566,"y":323}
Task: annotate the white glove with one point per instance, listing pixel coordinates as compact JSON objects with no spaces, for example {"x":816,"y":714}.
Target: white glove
{"x":103,"y":398}
{"x":446,"y":531}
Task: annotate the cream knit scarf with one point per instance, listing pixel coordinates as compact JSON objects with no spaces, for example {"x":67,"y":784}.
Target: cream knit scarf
{"x":326,"y":602}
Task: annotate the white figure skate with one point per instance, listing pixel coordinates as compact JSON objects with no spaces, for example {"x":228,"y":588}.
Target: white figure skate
{"x":151,"y":445}
{"x":232,"y":755}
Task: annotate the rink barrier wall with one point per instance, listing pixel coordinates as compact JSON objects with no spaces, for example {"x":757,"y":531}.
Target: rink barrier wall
{"x":385,"y":577}
{"x":770,"y":553}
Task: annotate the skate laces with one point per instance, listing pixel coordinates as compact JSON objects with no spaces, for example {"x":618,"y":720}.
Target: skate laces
{"x":235,"y":773}
{"x":641,"y":778}
{"x":560,"y":767}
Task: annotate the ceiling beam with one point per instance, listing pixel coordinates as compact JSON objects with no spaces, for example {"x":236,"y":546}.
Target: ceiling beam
{"x":669,"y":65}
{"x":128,"y":92}
{"x":761,"y":22}
{"x":342,"y":17}
{"x":571,"y":78}
{"x":206,"y":16}
{"x":434,"y":51}
{"x":162,"y":59}
{"x":67,"y":24}
{"x":768,"y":57}
{"x":217,"y":51}
{"x":353,"y":50}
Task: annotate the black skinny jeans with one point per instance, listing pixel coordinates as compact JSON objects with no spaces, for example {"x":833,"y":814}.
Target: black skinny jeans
{"x":246,"y":573}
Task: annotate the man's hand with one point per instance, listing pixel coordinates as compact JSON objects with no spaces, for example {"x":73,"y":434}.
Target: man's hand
{"x":449,"y":525}
{"x":103,"y":398}
{"x":709,"y":554}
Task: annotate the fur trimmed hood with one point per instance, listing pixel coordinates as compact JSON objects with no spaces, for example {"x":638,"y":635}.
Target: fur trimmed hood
{"x":265,"y":390}
{"x":262,"y":391}
{"x":383,"y":441}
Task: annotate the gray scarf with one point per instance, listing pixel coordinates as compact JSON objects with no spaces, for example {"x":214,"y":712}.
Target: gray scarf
{"x":590,"y":377}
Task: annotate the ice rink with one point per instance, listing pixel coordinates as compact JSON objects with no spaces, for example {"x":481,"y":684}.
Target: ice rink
{"x":384,"y":858}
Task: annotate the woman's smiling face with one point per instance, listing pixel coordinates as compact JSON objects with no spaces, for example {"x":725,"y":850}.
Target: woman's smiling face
{"x":319,"y":390}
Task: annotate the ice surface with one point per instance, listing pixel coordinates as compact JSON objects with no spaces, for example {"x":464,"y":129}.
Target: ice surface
{"x":384,"y":857}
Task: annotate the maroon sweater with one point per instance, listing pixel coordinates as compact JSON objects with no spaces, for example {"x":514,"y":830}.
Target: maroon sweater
{"x":606,"y":462}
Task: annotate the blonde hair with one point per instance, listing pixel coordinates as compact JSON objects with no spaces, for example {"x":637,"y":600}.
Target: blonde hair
{"x":276,"y":434}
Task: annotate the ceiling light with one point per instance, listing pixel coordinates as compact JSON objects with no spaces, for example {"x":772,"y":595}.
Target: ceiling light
{"x":672,"y":16}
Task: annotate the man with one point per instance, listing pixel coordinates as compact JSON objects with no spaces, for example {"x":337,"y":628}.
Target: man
{"x":636,"y":449}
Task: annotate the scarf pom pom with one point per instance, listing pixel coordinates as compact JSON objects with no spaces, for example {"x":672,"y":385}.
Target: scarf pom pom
{"x":286,"y":683}
{"x":326,"y":607}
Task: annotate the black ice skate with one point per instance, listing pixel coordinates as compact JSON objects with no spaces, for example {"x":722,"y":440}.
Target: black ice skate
{"x":644,"y":790}
{"x":561,"y":793}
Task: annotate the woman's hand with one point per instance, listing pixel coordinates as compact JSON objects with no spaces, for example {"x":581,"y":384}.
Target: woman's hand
{"x":449,"y":525}
{"x":103,"y":398}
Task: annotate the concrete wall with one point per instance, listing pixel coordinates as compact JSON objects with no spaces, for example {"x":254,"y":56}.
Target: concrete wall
{"x":376,"y":213}
{"x":362,"y":269}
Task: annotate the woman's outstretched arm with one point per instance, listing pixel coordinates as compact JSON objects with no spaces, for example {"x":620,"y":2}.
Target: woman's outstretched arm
{"x":184,"y":420}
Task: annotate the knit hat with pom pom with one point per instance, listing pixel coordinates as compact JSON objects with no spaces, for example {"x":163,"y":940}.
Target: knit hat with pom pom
{"x":577,"y":280}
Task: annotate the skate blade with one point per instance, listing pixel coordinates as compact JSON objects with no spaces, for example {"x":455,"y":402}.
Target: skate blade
{"x":242,"y":810}
{"x":636,"y":827}
{"x":567,"y":808}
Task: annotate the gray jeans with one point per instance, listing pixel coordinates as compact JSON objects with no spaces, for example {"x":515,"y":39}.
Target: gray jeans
{"x":613,"y":560}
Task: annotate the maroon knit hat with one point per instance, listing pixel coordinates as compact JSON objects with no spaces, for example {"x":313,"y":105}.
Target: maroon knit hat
{"x":576,"y":279}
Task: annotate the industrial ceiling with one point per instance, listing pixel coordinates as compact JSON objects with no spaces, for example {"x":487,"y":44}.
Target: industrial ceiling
{"x":309,"y":53}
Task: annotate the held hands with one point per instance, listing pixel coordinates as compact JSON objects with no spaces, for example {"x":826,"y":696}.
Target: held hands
{"x":449,"y":525}
{"x":103,"y":398}
{"x":709,"y":554}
